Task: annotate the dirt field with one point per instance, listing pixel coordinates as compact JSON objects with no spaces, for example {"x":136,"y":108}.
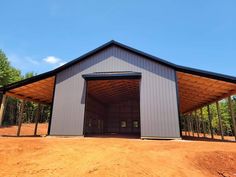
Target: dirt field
{"x":121,"y":157}
{"x":26,"y":130}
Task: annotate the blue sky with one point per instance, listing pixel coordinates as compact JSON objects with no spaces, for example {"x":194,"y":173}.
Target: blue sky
{"x":41,"y":35}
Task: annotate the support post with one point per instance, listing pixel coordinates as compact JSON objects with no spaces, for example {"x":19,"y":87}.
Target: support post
{"x":220,"y":120}
{"x":192,"y":125}
{"x":232,"y":116}
{"x":189,"y":125}
{"x":203,"y":124}
{"x":210,"y":122}
{"x":197,"y":123}
{"x":2,"y":108}
{"x":37,"y":116}
{"x":185,"y":125}
{"x":20,"y":117}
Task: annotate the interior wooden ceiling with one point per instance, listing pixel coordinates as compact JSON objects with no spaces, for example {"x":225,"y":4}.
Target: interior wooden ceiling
{"x":112,"y":91}
{"x":196,"y":91}
{"x":40,"y":91}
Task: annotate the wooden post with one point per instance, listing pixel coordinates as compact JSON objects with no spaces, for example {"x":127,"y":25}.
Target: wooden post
{"x":197,"y":123}
{"x":2,"y":108}
{"x":189,"y":125}
{"x":192,"y":126}
{"x":183,"y":122}
{"x":20,"y":117}
{"x":203,"y":124}
{"x":210,"y":123}
{"x":185,"y":125}
{"x":220,"y":120}
{"x":232,"y":116}
{"x":37,"y":116}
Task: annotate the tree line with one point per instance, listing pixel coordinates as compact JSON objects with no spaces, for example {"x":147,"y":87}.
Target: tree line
{"x":10,"y":74}
{"x":227,"y":122}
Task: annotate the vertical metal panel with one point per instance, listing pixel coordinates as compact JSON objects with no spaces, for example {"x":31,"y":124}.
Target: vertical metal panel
{"x":158,"y":99}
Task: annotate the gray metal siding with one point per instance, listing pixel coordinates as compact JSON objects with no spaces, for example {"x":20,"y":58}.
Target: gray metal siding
{"x":158,"y":99}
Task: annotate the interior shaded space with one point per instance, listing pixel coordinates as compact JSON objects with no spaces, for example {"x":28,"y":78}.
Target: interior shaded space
{"x":26,"y":107}
{"x":40,"y":91}
{"x":28,"y":120}
{"x":197,"y":91}
{"x":207,"y":107}
{"x":112,"y":108}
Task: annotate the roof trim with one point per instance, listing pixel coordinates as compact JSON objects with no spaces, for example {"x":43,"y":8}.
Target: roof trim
{"x":179,"y":68}
{"x":112,"y":75}
{"x":204,"y":73}
{"x":27,"y":81}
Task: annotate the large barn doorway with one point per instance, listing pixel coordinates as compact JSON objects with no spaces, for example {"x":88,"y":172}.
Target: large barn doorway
{"x":112,"y":107}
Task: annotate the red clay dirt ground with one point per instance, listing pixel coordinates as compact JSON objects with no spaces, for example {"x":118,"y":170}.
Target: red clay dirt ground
{"x":123,"y":157}
{"x":111,"y":156}
{"x":27,"y":129}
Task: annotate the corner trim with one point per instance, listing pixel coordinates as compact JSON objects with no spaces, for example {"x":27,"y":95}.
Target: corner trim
{"x":52,"y":105}
{"x":178,"y":103}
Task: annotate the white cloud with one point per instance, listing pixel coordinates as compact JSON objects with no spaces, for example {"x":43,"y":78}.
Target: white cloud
{"x":52,"y":60}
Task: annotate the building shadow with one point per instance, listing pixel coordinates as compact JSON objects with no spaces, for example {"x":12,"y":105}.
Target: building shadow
{"x":118,"y":136}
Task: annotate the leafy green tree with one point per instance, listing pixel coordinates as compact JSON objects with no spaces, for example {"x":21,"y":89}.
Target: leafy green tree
{"x":227,"y":123}
{"x":29,"y":74}
{"x":8,"y":74}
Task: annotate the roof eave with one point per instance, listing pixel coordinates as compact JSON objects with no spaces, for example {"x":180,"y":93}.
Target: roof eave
{"x":204,"y":73}
{"x":28,"y":81}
